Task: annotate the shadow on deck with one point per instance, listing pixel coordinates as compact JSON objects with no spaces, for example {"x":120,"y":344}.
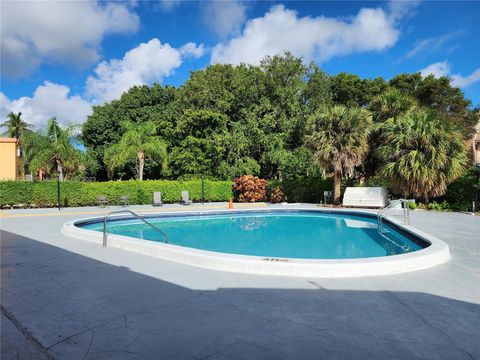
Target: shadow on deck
{"x":79,"y":308}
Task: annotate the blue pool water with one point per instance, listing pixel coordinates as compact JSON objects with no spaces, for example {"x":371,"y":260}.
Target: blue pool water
{"x":284,"y":234}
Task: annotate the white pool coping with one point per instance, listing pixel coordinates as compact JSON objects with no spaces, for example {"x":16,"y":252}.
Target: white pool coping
{"x":437,"y":253}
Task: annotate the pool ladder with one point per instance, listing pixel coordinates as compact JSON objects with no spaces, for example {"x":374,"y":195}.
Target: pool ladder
{"x":406,"y":212}
{"x":165,"y":236}
{"x":406,"y":220}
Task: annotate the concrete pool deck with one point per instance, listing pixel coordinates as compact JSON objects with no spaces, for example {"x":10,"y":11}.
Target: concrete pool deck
{"x":70,"y":299}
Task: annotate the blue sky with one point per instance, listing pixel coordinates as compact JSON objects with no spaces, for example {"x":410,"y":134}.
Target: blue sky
{"x":60,"y":58}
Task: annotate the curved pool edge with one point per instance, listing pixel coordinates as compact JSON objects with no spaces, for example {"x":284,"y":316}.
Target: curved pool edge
{"x":435,"y":254}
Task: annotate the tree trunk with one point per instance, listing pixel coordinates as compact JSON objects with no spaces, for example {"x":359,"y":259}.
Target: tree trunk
{"x":337,"y":176}
{"x":60,"y":172}
{"x":362,"y":180}
{"x":141,"y":164}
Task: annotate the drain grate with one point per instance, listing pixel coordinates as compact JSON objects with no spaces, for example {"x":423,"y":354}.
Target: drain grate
{"x":275,"y":259}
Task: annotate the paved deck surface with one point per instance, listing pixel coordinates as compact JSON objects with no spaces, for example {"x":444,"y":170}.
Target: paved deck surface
{"x":67,"y":299}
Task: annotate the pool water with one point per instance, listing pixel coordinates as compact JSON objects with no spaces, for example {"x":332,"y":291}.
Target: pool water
{"x":282,"y":234}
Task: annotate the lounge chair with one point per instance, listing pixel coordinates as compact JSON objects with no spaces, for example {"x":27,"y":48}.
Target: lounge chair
{"x":124,"y":200}
{"x":157,"y":198}
{"x":185,"y":198}
{"x":102,"y":201}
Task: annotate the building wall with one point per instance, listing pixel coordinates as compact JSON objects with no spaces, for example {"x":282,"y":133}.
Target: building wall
{"x":8,"y":159}
{"x":476,"y":146}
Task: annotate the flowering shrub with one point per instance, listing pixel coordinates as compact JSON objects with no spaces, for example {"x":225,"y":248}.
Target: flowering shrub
{"x":249,"y":188}
{"x":435,"y":206}
{"x":276,"y":195}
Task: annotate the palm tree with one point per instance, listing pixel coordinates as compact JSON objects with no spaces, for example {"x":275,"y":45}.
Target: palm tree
{"x":16,"y":127}
{"x":338,"y":137}
{"x":137,"y":143}
{"x":421,"y":154}
{"x":388,"y":105}
{"x":53,"y":150}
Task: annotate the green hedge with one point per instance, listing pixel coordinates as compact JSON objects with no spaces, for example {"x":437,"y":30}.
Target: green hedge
{"x":461,"y":193}
{"x":76,"y":193}
{"x":309,"y":190}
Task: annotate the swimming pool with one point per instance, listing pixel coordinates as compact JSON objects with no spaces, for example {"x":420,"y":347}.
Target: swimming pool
{"x":292,"y":234}
{"x":298,"y":242}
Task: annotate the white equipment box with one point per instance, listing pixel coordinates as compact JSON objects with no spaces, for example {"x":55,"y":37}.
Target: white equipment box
{"x":375,"y":197}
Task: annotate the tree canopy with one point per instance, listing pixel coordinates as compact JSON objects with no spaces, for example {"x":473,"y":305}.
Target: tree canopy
{"x":226,"y":121}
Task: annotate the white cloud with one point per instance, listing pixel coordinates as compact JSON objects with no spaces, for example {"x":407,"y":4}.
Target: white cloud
{"x":437,"y":69}
{"x":66,"y":32}
{"x":319,"y":38}
{"x":192,"y":50}
{"x":420,"y":46}
{"x":401,"y":9}
{"x":442,"y":68}
{"x":167,"y":5}
{"x":48,"y":100}
{"x":431,"y":44}
{"x":224,"y":17}
{"x":144,"y":64}
{"x":461,"y":81}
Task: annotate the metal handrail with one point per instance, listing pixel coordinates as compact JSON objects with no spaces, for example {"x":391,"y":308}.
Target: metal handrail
{"x":134,"y":214}
{"x":406,"y":212}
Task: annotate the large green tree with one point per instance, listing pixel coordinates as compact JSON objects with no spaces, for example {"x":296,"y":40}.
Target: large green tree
{"x":421,"y":154}
{"x":351,"y":90}
{"x":338,"y":139}
{"x":200,"y":143}
{"x":138,"y":143}
{"x":318,"y":88}
{"x":265,"y":113}
{"x":140,"y":104}
{"x":440,"y":96}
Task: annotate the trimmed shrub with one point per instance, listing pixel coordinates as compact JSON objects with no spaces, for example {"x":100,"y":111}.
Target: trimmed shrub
{"x":412,"y":205}
{"x":307,"y":189}
{"x":76,"y":193}
{"x":249,"y":188}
